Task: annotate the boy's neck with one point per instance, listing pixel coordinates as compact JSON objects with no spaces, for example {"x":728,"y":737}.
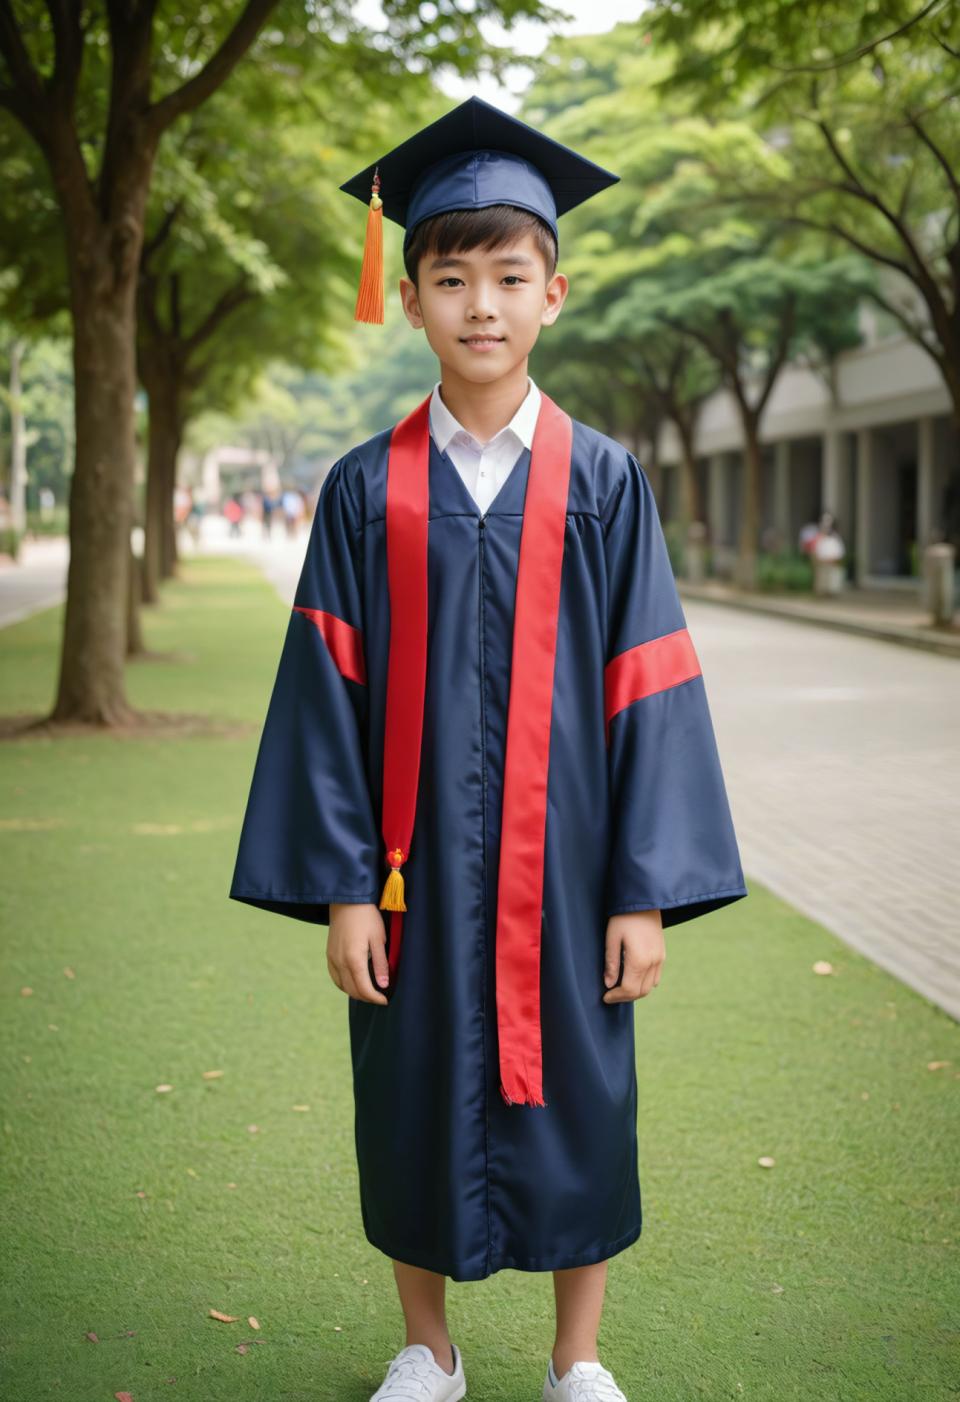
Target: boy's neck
{"x":484,"y":409}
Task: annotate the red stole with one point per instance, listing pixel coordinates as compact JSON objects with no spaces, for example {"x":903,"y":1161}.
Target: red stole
{"x":520,"y":882}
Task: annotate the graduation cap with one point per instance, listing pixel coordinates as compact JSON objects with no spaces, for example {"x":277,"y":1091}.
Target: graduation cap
{"x":472,"y":157}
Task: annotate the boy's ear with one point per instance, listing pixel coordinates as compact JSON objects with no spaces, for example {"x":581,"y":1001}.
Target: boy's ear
{"x":411,"y":302}
{"x":556,"y":295}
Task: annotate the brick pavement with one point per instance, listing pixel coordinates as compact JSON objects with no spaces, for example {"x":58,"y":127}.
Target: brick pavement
{"x":842,"y":759}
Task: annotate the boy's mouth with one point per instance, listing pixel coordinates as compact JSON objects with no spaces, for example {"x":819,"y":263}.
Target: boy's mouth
{"x":482,"y":342}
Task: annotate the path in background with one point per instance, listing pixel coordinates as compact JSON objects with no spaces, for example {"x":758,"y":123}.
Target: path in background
{"x":841,"y":755}
{"x":37,"y":581}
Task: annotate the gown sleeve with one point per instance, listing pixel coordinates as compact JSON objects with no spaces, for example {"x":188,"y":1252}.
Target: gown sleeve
{"x":309,"y":835}
{"x":673,"y":845}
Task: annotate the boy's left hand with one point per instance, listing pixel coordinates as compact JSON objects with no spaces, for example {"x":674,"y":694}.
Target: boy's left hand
{"x":638,"y":935}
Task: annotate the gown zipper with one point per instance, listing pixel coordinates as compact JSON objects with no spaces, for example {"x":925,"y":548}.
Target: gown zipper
{"x":483,"y":819}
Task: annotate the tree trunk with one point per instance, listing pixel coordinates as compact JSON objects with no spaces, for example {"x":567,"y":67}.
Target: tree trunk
{"x":746,"y":568}
{"x":18,"y":441}
{"x":691,"y":507}
{"x":91,"y":682}
{"x":168,"y":540}
{"x":135,"y":642}
{"x":162,"y":383}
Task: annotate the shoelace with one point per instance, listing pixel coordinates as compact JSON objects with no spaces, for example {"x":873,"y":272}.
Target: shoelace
{"x":405,"y":1380}
{"x":590,"y":1382}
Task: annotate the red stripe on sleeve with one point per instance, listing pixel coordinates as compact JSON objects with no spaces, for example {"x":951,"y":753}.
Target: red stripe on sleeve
{"x":345,"y":643}
{"x":646,"y":668}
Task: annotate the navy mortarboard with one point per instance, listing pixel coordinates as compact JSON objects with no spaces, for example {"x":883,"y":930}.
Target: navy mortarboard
{"x":470,"y":158}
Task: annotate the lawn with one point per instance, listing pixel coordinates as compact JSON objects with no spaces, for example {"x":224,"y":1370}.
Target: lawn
{"x":129,"y":1212}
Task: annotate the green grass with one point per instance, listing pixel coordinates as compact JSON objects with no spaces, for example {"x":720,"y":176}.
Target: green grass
{"x":832,"y":1275}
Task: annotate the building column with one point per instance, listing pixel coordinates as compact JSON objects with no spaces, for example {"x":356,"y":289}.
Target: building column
{"x":718,"y":498}
{"x":926,"y":481}
{"x":864,"y":504}
{"x":781,"y":491}
{"x":831,"y":484}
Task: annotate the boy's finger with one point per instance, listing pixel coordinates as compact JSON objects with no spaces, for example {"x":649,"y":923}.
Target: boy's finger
{"x":362,"y":983}
{"x":611,"y":962}
{"x":378,"y":957}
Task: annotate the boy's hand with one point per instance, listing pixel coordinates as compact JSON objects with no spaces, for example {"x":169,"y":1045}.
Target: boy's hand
{"x":357,"y":934}
{"x":638,"y":934}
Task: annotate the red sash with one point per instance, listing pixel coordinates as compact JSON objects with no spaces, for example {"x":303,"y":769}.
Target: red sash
{"x":520,"y":881}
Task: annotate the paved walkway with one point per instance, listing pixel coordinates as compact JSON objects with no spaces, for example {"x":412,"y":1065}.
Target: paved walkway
{"x":842,"y":758}
{"x":37,"y":581}
{"x":896,"y":615}
{"x":841,"y":754}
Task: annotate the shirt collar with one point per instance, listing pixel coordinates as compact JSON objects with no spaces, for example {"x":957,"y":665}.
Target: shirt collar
{"x":443,"y":424}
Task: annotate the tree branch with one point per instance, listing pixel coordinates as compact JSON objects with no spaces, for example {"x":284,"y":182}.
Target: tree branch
{"x":24,"y":97}
{"x":227,"y":302}
{"x":151,"y":244}
{"x":217,"y":68}
{"x":65,"y":16}
{"x":937,"y":154}
{"x":860,"y":191}
{"x":854,"y":55}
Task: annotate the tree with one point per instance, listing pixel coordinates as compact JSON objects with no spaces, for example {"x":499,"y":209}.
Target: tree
{"x":674,"y":262}
{"x":96,"y":91}
{"x":859,"y":110}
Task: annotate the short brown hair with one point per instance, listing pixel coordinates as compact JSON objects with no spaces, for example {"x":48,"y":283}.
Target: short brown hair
{"x":495,"y":226}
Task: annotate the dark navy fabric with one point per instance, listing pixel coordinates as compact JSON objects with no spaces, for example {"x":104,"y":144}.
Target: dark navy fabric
{"x":473,"y":156}
{"x":451,"y":1178}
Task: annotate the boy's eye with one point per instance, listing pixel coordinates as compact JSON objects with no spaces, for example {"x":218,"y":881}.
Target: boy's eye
{"x":513,"y":277}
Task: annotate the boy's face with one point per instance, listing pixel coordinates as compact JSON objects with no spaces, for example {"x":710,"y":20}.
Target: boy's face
{"x":482,"y":310}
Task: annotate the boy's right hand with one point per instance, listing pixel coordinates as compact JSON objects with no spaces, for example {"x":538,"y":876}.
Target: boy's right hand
{"x":358,"y":934}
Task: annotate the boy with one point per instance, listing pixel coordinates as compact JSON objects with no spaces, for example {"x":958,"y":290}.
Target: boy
{"x":488,"y":695}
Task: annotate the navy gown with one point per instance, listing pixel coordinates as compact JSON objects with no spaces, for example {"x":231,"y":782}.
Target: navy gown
{"x":451,"y":1178}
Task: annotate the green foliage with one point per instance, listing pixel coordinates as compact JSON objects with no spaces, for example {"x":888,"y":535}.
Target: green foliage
{"x":784,"y":570}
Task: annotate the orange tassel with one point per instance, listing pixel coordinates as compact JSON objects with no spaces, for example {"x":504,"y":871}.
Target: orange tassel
{"x":370,"y":295}
{"x":392,"y":898}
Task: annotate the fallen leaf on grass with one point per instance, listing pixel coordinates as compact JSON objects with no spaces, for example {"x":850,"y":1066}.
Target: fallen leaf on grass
{"x":161,"y":1089}
{"x":91,"y":1336}
{"x":300,"y":1107}
{"x":25,"y":992}
{"x":937,"y":1065}
{"x":69,"y":973}
{"x":243,"y":1348}
{"x":123,"y":1396}
{"x":253,"y":1322}
{"x":765,"y":1161}
{"x":823,"y":966}
{"x":253,"y":1129}
{"x":225,"y":1318}
{"x":211,"y":1075}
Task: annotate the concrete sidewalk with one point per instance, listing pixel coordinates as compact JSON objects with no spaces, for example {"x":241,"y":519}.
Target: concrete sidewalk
{"x":38,"y":580}
{"x":891,"y":615}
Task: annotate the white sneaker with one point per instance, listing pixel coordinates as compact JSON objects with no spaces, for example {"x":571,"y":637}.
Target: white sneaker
{"x":416,"y":1376}
{"x":582,"y":1382}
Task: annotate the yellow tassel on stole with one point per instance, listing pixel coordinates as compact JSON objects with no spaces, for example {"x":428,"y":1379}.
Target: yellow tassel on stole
{"x":392,"y":898}
{"x":370,"y":296}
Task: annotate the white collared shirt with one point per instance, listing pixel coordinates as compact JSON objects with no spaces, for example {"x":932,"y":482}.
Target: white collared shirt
{"x":484,"y":467}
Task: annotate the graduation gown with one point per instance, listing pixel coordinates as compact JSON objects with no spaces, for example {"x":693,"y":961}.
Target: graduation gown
{"x":452,"y":1177}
